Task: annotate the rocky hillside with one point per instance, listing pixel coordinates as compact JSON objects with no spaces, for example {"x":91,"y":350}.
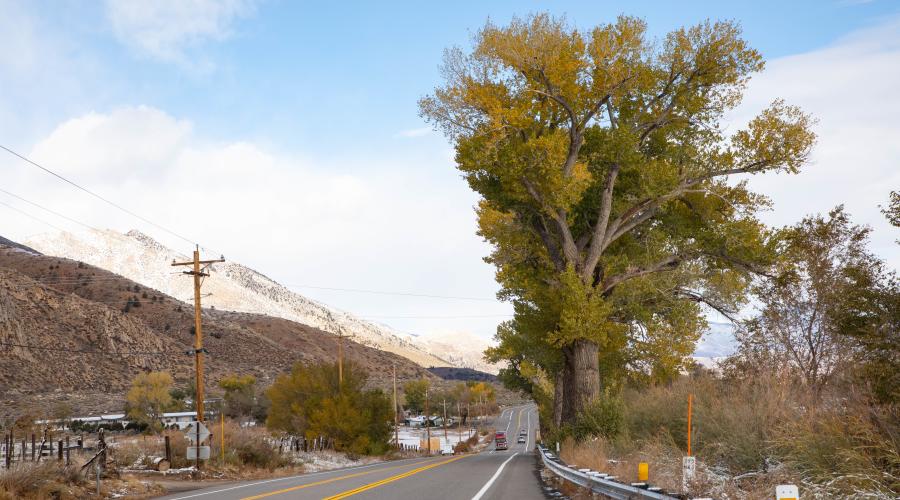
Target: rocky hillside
{"x":232,"y":287}
{"x":89,"y":331}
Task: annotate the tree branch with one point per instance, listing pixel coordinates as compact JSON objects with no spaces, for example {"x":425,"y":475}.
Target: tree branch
{"x":666,"y":264}
{"x":599,"y":233}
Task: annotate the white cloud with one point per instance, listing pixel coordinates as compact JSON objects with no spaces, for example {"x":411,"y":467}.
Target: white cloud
{"x":414,"y":132}
{"x":168,"y":29}
{"x":392,"y":225}
{"x":851,"y":88}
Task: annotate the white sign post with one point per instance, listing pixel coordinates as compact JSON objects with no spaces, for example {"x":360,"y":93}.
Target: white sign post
{"x":787,"y":492}
{"x":688,"y":469}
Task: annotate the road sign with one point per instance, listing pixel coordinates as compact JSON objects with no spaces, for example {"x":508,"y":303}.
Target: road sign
{"x":192,"y":452}
{"x":194,"y":435}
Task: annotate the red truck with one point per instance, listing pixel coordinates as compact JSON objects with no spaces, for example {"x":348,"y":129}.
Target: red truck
{"x":500,"y":441}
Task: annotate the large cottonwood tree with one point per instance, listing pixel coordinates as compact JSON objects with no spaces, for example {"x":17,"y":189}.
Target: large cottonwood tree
{"x":602,"y":160}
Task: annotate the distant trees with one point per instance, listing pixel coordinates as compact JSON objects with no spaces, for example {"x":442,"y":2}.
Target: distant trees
{"x":148,"y":397}
{"x":241,"y":398}
{"x":309,"y":401}
{"x":414,"y":395}
{"x":830,"y":307}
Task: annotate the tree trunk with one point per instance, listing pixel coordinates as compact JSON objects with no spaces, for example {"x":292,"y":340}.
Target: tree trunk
{"x":558,"y":395}
{"x":583,"y":378}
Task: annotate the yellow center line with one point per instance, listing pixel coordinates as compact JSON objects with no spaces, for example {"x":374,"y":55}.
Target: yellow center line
{"x":324,"y":481}
{"x":391,"y":479}
{"x":519,"y":421}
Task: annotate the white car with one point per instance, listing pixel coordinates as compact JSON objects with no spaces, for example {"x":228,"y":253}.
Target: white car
{"x":447,"y":450}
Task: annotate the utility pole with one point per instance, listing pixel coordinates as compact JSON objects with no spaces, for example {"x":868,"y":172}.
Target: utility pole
{"x":444,"y":403}
{"x":427,"y":423}
{"x":458,"y":423}
{"x":396,"y":415}
{"x":197,"y":272}
{"x":340,"y":358}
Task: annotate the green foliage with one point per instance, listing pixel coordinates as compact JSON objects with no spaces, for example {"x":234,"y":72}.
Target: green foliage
{"x":603,"y":417}
{"x":414,"y":395}
{"x":310,"y":401}
{"x":830,"y":309}
{"x":240,"y":395}
{"x":601,"y":159}
{"x":148,"y":398}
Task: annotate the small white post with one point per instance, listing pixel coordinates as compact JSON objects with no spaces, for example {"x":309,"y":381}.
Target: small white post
{"x":787,"y":492}
{"x":688,"y":470}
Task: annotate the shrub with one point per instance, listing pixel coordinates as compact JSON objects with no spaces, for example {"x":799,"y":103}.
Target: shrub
{"x":603,"y":418}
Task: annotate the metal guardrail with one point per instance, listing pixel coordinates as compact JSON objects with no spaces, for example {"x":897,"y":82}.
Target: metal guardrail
{"x":597,"y":481}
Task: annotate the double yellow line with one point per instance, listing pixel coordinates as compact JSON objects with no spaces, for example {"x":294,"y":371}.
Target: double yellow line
{"x":391,"y":479}
{"x":349,"y":476}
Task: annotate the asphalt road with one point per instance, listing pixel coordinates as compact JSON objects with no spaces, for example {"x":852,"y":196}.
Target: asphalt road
{"x":491,"y":474}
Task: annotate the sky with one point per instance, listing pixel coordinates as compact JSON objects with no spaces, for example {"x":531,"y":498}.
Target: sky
{"x":286,"y":136}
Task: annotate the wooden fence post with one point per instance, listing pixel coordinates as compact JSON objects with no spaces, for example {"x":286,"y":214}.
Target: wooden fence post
{"x":32,"y":447}
{"x":68,"y":456}
{"x":168,"y":450}
{"x":59,"y":451}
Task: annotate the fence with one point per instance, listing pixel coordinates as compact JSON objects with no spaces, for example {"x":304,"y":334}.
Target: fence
{"x":19,"y":449}
{"x":598,"y":482}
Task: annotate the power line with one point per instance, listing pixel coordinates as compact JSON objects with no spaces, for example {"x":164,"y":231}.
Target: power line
{"x":26,"y":214}
{"x":89,"y":351}
{"x":382,"y":292}
{"x":440,"y":317}
{"x":101,"y":198}
{"x":46,"y":209}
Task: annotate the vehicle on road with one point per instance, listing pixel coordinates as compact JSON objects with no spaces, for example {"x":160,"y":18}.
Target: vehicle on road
{"x":500,"y":441}
{"x":521,"y":439}
{"x":447,"y":450}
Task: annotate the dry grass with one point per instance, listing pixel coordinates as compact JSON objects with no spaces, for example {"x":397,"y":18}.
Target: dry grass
{"x":750,"y":436}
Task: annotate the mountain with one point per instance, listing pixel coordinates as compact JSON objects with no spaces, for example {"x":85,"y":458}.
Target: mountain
{"x":231,"y":286}
{"x":76,"y":334}
{"x":716,"y":344}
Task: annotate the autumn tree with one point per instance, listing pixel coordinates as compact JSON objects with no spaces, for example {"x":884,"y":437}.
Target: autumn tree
{"x":414,"y":395}
{"x":830,"y":308}
{"x":148,"y":398}
{"x":310,"y":401}
{"x":240,"y":395}
{"x":603,"y":161}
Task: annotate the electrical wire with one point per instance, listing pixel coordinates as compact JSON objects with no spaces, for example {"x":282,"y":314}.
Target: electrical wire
{"x":47,"y":209}
{"x":89,"y":351}
{"x":95,"y":195}
{"x":382,"y":292}
{"x":26,"y":214}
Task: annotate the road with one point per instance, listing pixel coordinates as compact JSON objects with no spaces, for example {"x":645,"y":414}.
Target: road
{"x":489,"y":475}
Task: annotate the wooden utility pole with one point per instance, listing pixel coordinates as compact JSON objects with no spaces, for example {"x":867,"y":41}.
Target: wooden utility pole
{"x":341,"y":358}
{"x":458,"y":423}
{"x":444,"y":403}
{"x":396,"y":414}
{"x":197,"y":272}
{"x":427,"y":423}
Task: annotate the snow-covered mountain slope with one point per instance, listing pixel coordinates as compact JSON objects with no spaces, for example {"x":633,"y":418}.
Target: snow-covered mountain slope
{"x":716,"y":344}
{"x":461,"y":349}
{"x":230,"y":286}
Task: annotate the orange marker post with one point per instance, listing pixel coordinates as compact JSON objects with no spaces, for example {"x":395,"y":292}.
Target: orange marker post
{"x":690,"y":404}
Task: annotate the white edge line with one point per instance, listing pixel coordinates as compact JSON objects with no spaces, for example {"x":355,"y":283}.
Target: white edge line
{"x":528,"y":435}
{"x":299,"y":476}
{"x":493,"y":478}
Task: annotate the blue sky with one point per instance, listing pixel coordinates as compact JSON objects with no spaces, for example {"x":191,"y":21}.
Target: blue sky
{"x":294,"y":126}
